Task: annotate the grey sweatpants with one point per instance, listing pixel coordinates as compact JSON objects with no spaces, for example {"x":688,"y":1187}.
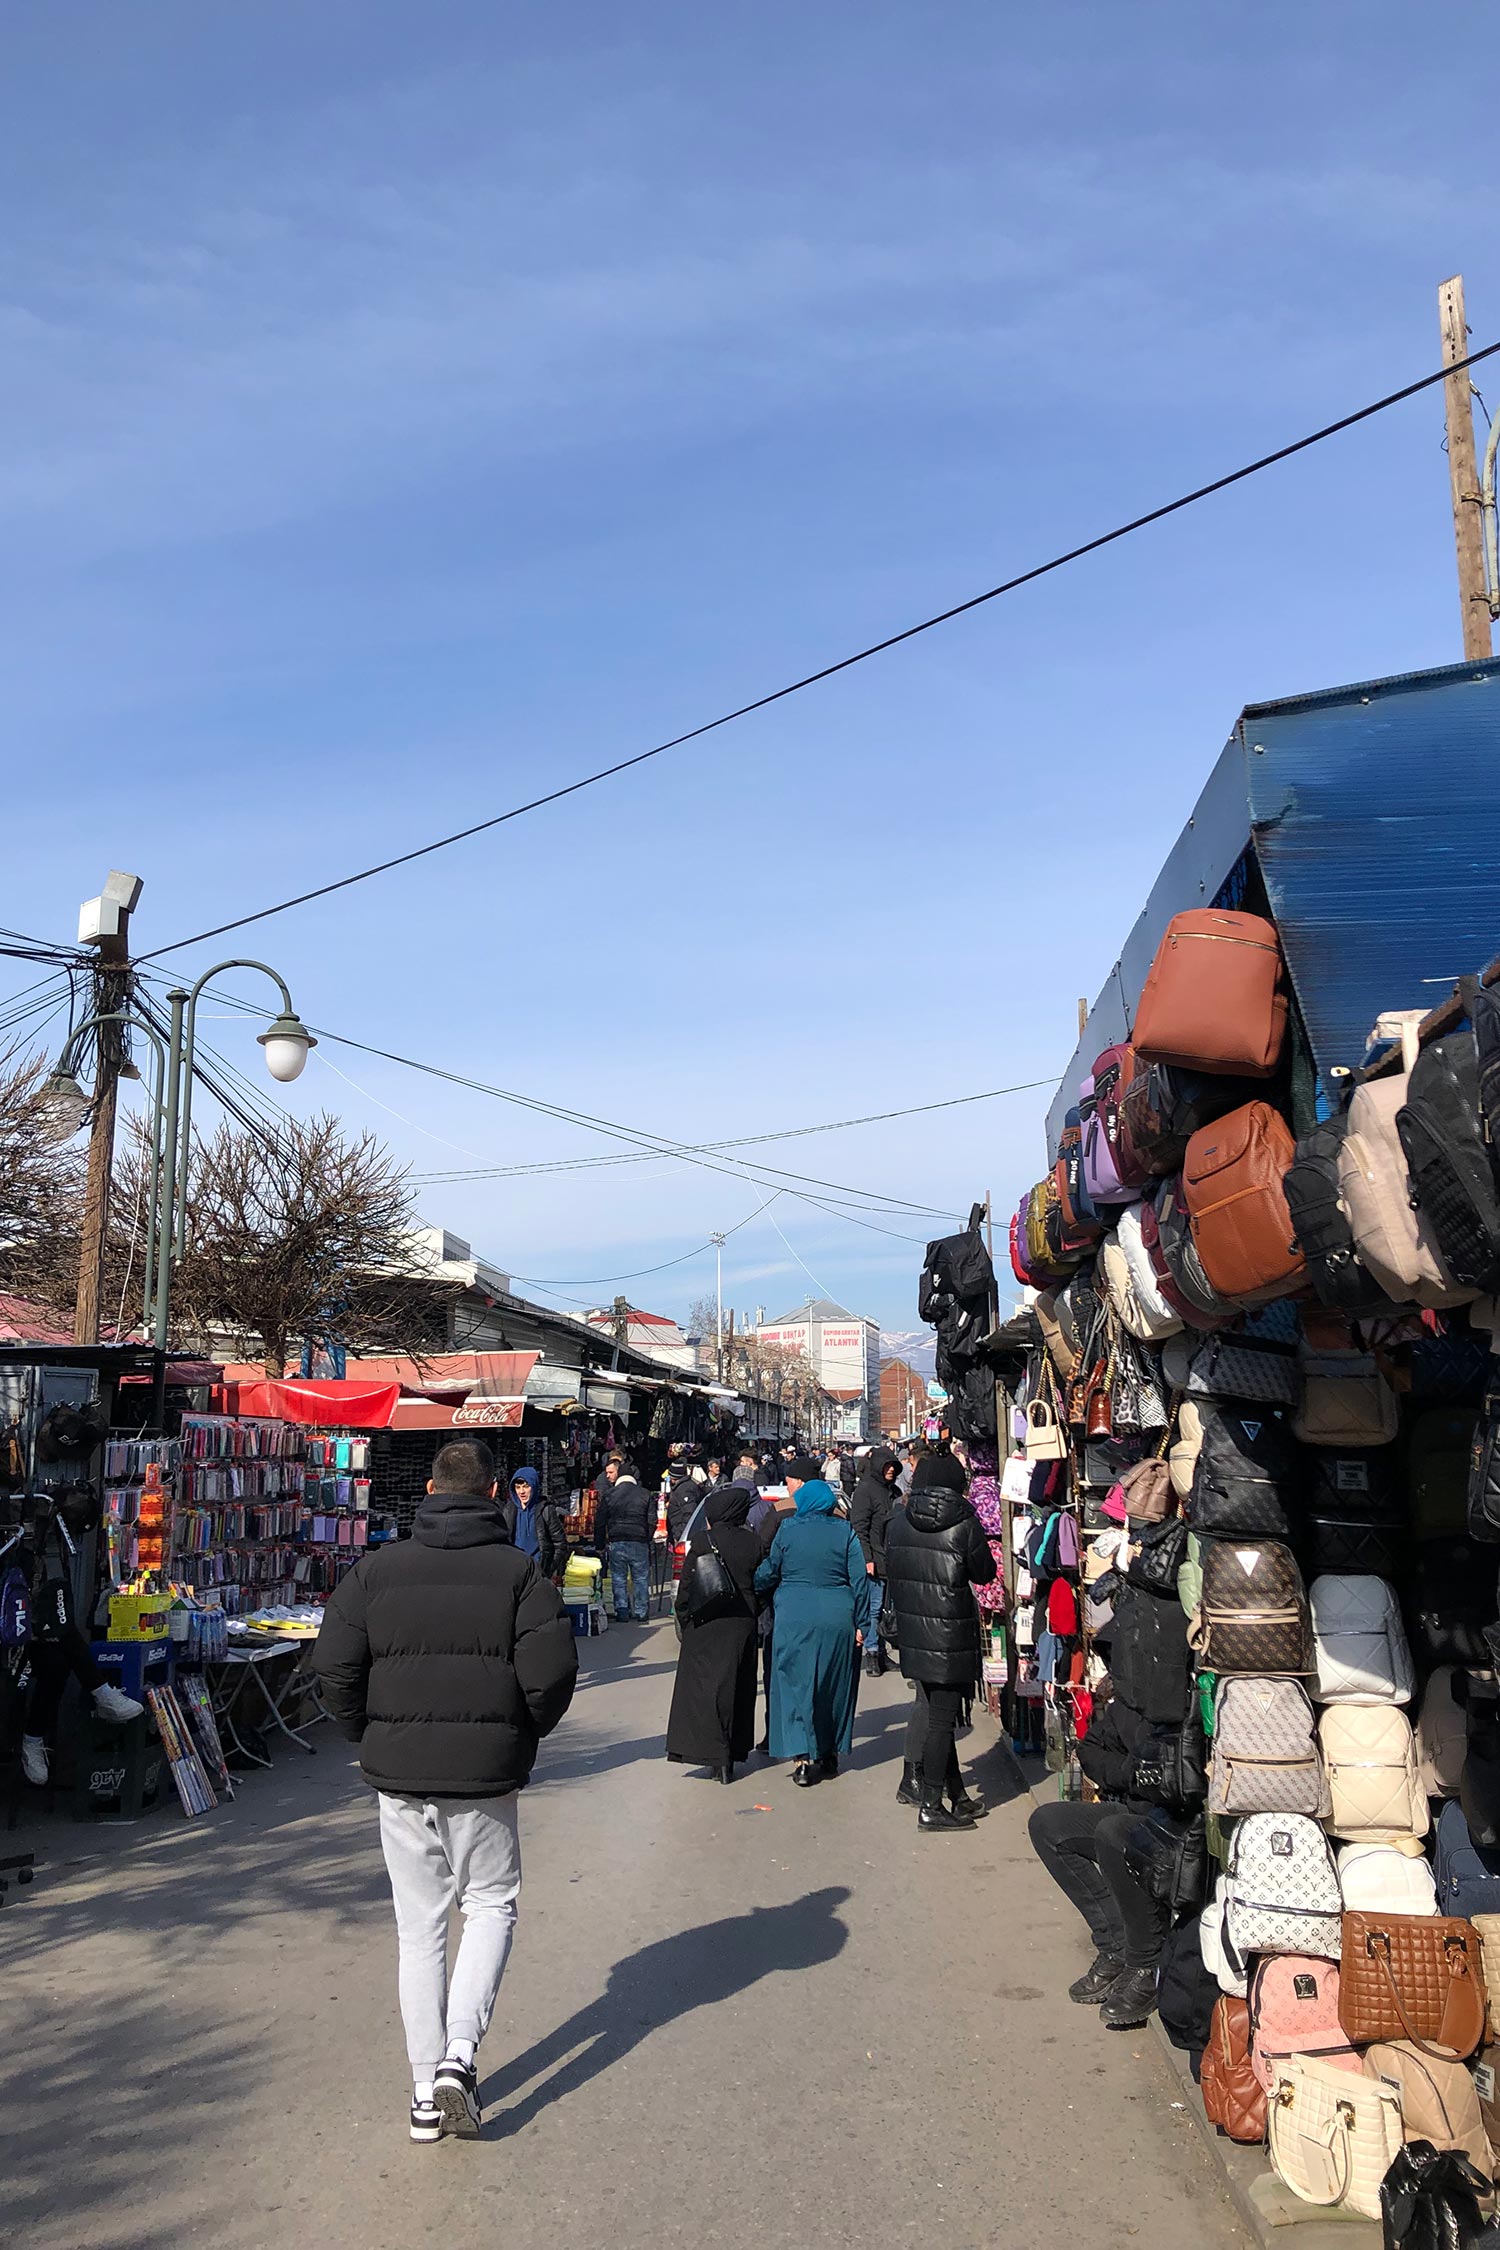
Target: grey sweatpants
{"x":440,"y":1851}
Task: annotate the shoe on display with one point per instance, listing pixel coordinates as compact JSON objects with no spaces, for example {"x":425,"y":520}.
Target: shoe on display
{"x":426,"y":2121}
{"x":455,"y":2090}
{"x":1098,"y":1980}
{"x":807,"y":1773}
{"x":35,"y":1763}
{"x":910,"y":1791}
{"x":117,"y":1708}
{"x":1131,"y":2003}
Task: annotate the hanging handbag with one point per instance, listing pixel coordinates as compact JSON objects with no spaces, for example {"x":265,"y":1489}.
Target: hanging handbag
{"x":1412,"y":1976}
{"x":1432,"y":2199}
{"x":888,"y":1623}
{"x":1254,"y":1368}
{"x":1157,"y":1555}
{"x":1046,"y":1440}
{"x":1147,"y":1491}
{"x":1332,"y":2136}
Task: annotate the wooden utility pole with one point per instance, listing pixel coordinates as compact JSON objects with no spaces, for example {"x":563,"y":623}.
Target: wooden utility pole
{"x":104,"y":923}
{"x":1463,"y":474}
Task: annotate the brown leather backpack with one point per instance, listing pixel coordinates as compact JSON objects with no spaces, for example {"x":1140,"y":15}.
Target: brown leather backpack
{"x":1232,"y":1186}
{"x":1233,"y":2097}
{"x":1213,"y":997}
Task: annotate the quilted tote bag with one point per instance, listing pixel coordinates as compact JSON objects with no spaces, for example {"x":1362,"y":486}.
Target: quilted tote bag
{"x":1434,"y":2199}
{"x":1156,"y":1555}
{"x":1360,"y":1642}
{"x":1413,"y":1977}
{"x":1253,"y":1616}
{"x":1439,"y":2100}
{"x":1294,"y":2010}
{"x":1281,"y":1892}
{"x":1332,"y":2136}
{"x":1370,"y":1755}
{"x":1266,"y":1755}
{"x":1380,"y":1879}
{"x":1233,"y":2097}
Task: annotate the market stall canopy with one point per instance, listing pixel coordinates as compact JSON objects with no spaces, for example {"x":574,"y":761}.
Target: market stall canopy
{"x":318,"y":1401}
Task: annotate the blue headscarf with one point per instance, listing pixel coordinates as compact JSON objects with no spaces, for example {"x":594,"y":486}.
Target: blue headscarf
{"x":528,"y":1538}
{"x":815,"y":1498}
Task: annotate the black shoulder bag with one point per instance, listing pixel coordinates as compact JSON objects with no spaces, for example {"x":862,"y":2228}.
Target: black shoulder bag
{"x":709,"y":1592}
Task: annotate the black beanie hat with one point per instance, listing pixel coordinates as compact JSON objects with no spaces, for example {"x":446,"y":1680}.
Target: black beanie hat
{"x":941,"y":1469}
{"x":804,"y":1470}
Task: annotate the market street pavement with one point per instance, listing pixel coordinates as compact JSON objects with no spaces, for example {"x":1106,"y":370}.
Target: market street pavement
{"x":799,"y":2026}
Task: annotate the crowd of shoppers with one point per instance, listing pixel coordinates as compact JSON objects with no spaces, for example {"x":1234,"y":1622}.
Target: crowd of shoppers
{"x":448,"y":1656}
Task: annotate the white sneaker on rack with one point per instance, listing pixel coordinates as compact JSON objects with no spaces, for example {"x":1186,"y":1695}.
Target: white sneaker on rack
{"x":34,"y":1762}
{"x":111,"y":1704}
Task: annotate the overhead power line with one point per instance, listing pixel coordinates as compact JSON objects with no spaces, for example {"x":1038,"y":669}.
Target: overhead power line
{"x":653,"y":1144}
{"x":843,"y":663}
{"x":745,"y":1140}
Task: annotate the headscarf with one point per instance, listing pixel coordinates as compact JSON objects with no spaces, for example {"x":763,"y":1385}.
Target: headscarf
{"x":815,"y":1498}
{"x":728,"y":1505}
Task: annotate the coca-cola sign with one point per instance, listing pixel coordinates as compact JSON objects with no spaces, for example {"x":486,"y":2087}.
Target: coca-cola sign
{"x":487,"y":1414}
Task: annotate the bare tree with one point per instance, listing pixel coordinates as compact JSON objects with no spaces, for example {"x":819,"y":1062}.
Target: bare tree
{"x":306,"y":1235}
{"x":41,"y":1189}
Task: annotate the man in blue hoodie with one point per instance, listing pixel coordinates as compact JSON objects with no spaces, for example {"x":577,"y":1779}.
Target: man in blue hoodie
{"x":536,"y":1525}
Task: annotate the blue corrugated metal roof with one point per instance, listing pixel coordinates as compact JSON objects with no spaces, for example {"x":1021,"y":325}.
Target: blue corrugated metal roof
{"x":1375,"y":815}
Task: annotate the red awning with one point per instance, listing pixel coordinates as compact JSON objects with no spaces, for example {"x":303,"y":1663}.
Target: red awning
{"x":317,"y":1401}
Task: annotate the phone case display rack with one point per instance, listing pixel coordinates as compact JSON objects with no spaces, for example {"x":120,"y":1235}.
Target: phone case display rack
{"x":261,"y":1512}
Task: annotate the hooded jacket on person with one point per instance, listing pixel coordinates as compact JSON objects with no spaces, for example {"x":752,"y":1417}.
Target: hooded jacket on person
{"x":447,"y":1656}
{"x":935,"y":1554}
{"x":539,"y":1530}
{"x":870,"y":1508}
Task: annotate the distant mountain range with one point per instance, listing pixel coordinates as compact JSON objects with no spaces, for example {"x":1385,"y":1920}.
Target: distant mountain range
{"x":916,"y":1346}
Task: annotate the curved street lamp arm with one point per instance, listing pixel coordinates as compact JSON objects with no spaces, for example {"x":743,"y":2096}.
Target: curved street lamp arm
{"x":187,"y":1002}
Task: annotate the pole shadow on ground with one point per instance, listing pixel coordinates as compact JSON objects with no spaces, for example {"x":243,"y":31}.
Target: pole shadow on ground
{"x":697,"y":1968}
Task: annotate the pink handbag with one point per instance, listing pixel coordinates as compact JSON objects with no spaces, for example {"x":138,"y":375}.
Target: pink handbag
{"x":1294,"y":2010}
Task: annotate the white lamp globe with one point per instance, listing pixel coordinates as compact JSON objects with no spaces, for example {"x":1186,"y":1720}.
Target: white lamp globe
{"x":287,"y":1045}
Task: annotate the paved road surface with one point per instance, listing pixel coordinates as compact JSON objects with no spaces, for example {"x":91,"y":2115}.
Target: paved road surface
{"x":803,"y":2026}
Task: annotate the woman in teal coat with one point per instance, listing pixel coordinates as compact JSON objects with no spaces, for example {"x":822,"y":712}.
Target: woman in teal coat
{"x":815,"y":1572}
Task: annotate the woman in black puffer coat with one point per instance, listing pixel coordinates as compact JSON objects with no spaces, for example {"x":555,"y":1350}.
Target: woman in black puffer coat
{"x":935,"y":1554}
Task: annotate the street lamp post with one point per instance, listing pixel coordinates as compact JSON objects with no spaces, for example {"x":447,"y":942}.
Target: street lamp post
{"x":718,"y":1242}
{"x":287,"y":1042}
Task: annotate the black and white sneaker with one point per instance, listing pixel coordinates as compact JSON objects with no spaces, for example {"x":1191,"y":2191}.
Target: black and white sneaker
{"x":426,"y":2121}
{"x":455,"y":2090}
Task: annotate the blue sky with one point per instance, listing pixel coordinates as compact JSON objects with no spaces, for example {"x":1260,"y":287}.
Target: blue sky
{"x":408,"y":410}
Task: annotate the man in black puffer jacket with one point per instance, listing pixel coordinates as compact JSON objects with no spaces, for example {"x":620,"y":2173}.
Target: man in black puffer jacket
{"x":869,"y":1514}
{"x":935,"y":1554}
{"x":447,"y":1658}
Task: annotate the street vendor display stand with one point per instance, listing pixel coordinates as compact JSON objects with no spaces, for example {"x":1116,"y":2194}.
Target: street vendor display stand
{"x":229,"y":1685}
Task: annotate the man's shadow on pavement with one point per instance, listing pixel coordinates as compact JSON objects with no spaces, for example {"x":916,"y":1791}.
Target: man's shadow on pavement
{"x":692,"y":1969}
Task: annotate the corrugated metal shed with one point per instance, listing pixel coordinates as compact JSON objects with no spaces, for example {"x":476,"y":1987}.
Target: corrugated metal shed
{"x":1374,"y":812}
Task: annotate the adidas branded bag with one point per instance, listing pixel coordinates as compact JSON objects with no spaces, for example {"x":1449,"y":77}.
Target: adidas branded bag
{"x":1370,"y":1755}
{"x":1383,"y":1879}
{"x":1360,"y":1642}
{"x":1281,"y":1891}
{"x":1245,"y":1458}
{"x":1254,"y":1612}
{"x":1265,"y":1750}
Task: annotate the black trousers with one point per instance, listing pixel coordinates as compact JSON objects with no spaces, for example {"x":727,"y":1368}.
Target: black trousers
{"x":929,"y":1735}
{"x":55,"y":1661}
{"x":1082,"y":1848}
